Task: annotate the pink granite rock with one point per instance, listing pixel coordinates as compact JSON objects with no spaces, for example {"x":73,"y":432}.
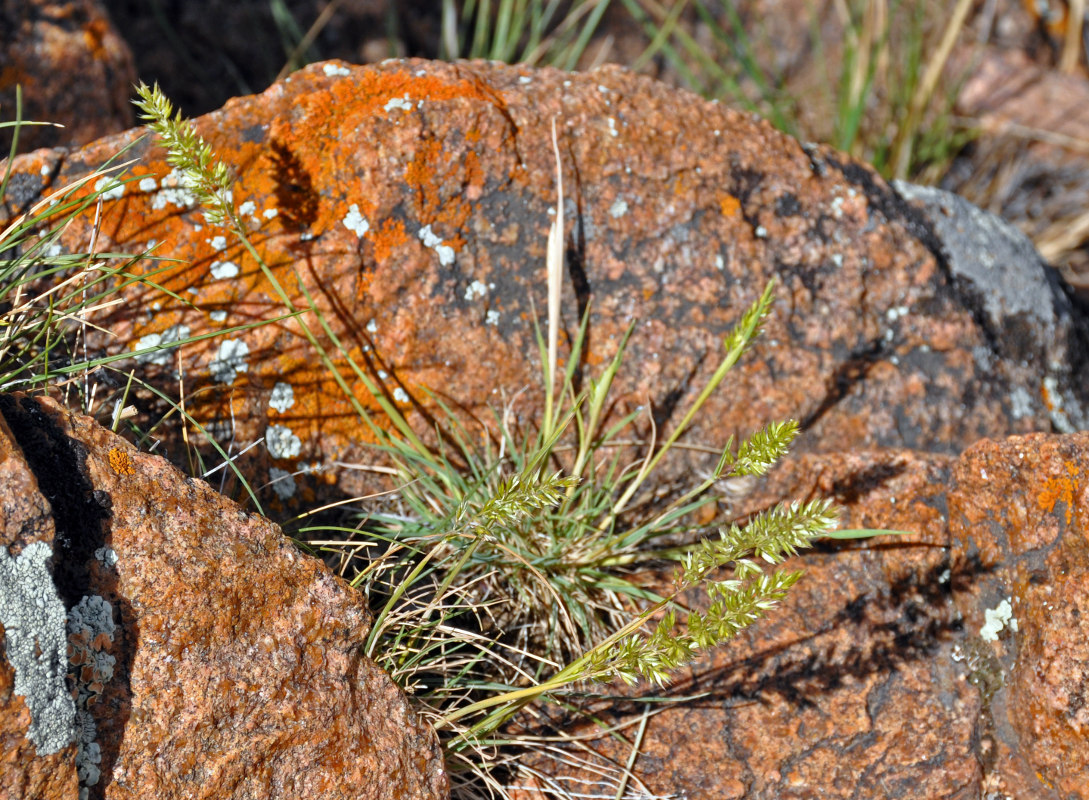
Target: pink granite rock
{"x":207,"y":656}
{"x":1019,"y":522}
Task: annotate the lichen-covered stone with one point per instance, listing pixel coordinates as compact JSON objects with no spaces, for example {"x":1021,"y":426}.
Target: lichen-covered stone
{"x":207,"y":656}
{"x":411,"y":200}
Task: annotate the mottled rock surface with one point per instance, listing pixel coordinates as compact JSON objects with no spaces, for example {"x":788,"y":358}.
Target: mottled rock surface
{"x":413,"y":199}
{"x":73,"y":67}
{"x":1019,"y":519}
{"x":1017,"y":299}
{"x":209,"y":658}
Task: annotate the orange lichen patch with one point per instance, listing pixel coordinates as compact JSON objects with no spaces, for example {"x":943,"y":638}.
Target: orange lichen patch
{"x":729,"y":205}
{"x":121,"y":462}
{"x":420,"y":176}
{"x":433,"y":167}
{"x":359,"y":103}
{"x":387,"y":237}
{"x":95,"y":34}
{"x":1059,"y":488}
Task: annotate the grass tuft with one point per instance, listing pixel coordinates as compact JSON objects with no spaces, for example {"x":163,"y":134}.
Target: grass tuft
{"x":504,"y":577}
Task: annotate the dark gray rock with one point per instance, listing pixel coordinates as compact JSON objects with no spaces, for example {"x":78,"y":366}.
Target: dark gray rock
{"x":1017,"y":298}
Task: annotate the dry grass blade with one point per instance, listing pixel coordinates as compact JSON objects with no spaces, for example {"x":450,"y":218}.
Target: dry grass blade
{"x":554,"y":270}
{"x":1072,"y":40}
{"x":924,"y":91}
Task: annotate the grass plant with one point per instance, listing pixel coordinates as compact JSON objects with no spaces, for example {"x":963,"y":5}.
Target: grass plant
{"x":883,"y":95}
{"x":520,"y":31}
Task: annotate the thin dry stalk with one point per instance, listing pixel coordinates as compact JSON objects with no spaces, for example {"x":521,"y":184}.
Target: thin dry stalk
{"x":924,"y":91}
{"x":1072,"y":41}
{"x":1063,"y":236}
{"x":554,"y":267}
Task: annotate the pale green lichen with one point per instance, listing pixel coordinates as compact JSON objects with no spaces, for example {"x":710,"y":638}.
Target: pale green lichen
{"x":36,"y":646}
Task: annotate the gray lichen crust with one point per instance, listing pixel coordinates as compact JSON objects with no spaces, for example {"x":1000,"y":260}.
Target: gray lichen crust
{"x":36,"y":645}
{"x":1020,"y":302}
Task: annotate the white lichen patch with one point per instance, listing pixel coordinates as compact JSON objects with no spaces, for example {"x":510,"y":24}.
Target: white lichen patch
{"x":612,"y":127}
{"x":1057,"y":406}
{"x":430,"y":239}
{"x":281,"y":442}
{"x":222,"y":270}
{"x":372,"y":327}
{"x":218,"y":243}
{"x":218,"y":316}
{"x":248,"y":209}
{"x":36,"y":645}
{"x":270,"y":213}
{"x":400,"y":395}
{"x":996,"y":619}
{"x":282,"y":397}
{"x":106,"y":555}
{"x":148,"y":185}
{"x":91,"y":616}
{"x":491,"y":318}
{"x":109,"y":188}
{"x":282,"y":483}
{"x":356,"y":222}
{"x":87,"y":761}
{"x":1022,"y":404}
{"x":618,"y":208}
{"x":161,"y":357}
{"x":229,"y":361}
{"x":174,"y":191}
{"x":476,"y":289}
{"x":403,"y":103}
{"x":334,"y":70}
{"x":525,"y":79}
